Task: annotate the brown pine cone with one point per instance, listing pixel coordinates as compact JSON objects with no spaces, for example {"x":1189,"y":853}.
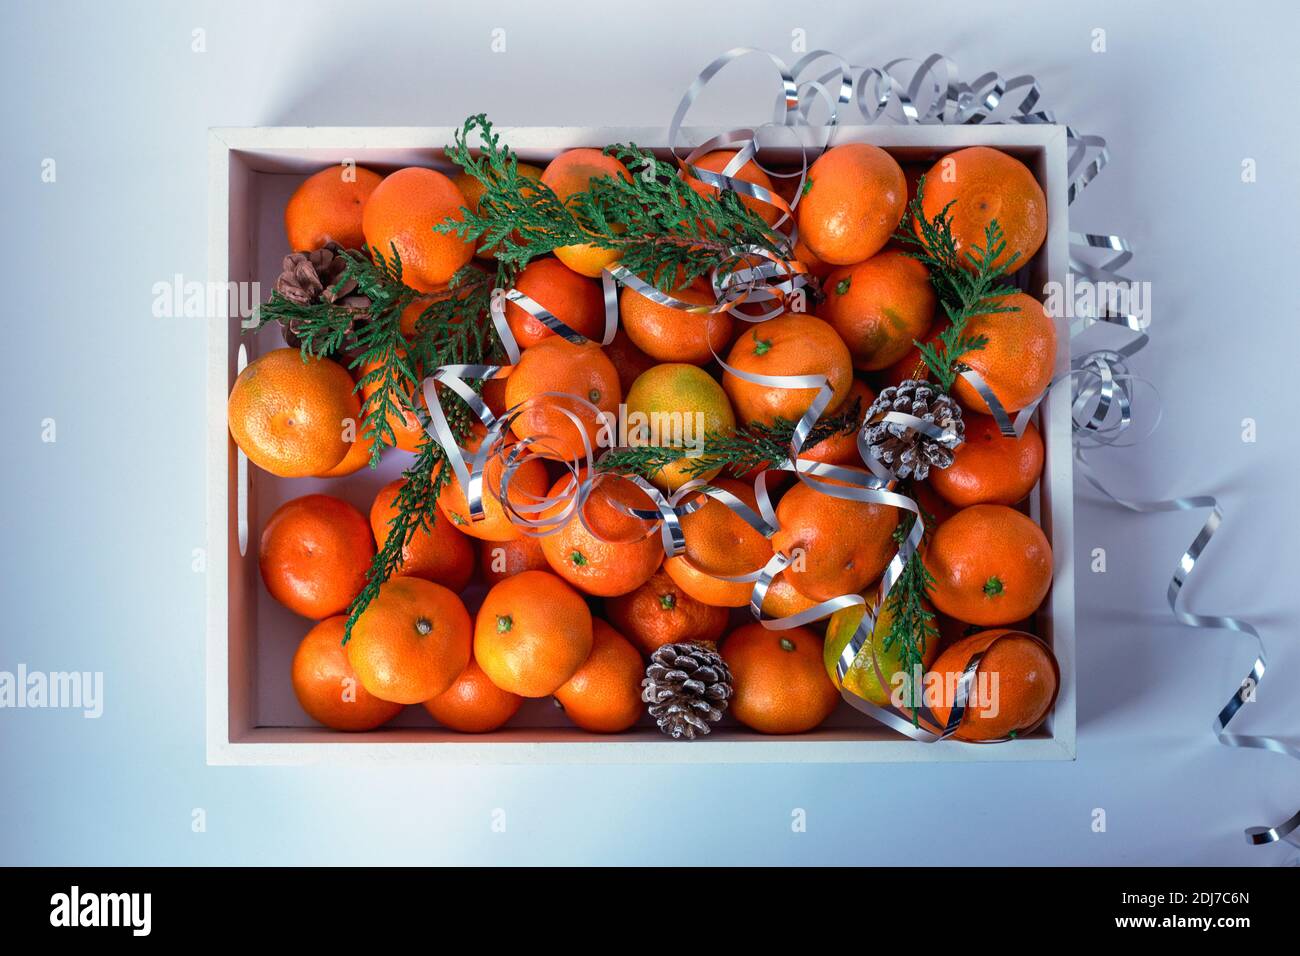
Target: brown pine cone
{"x":906,"y":451}
{"x":307,"y":278}
{"x":310,"y":277}
{"x":687,"y":687}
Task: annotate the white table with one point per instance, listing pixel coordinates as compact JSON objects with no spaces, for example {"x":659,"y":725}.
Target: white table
{"x":101,"y":524}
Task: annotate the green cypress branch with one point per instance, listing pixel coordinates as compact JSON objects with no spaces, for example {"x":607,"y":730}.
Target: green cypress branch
{"x":966,"y":284}
{"x":664,"y":230}
{"x":739,"y":452}
{"x":911,"y":624}
{"x":452,"y":329}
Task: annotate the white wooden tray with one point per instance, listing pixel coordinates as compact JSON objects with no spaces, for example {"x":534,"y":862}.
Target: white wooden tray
{"x":252,"y":714}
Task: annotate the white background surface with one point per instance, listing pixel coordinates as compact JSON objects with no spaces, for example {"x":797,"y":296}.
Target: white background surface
{"x":100,"y":526}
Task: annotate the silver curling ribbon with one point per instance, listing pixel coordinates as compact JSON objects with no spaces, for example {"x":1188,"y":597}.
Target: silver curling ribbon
{"x":1106,"y":387}
{"x":931,"y":92}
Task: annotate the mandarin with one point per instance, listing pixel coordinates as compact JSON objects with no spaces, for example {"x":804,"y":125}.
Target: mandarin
{"x":852,"y":203}
{"x":707,"y":588}
{"x":990,"y":468}
{"x":399,"y":218}
{"x":437,"y":552}
{"x":783,"y":598}
{"x":327,"y":687}
{"x":528,"y":485}
{"x":572,"y":172}
{"x":677,"y":405}
{"x":719,"y":544}
{"x":716,"y":161}
{"x":991,"y":565}
{"x":499,"y":560}
{"x":557,"y":365}
{"x":288,"y":415}
{"x":1022,"y":682}
{"x":573,"y":299}
{"x":659,"y":612}
{"x":604,"y":695}
{"x":532,"y":633}
{"x":861,"y":677}
{"x":1019,"y":357}
{"x":836,"y":546}
{"x":879,"y":307}
{"x":672,"y":335}
{"x":984,"y":184}
{"x":411,"y":642}
{"x":328,"y":205}
{"x":780,"y":684}
{"x":473,"y":704}
{"x":315,"y":555}
{"x":791,"y":344}
{"x":603,"y":550}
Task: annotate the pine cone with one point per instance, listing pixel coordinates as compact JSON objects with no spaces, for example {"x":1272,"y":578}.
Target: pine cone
{"x":307,"y":278}
{"x":687,"y":687}
{"x":907,"y":452}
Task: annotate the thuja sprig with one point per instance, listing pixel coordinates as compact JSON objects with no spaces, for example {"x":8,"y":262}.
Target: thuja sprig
{"x":373,"y":339}
{"x":452,"y":329}
{"x":388,"y":377}
{"x":415,"y":506}
{"x":911,"y":625}
{"x":966,"y":283}
{"x":756,"y":445}
{"x":663,"y":230}
{"x":518,"y":218}
{"x":415,"y":509}
{"x":323,"y":328}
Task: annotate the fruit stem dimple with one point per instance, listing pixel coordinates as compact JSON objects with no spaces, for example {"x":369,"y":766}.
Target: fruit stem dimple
{"x":842,"y":286}
{"x":761,"y":346}
{"x":423,"y":626}
{"x":578,"y":558}
{"x":992,"y":587}
{"x":668,"y":601}
{"x":787,"y":644}
{"x":504,"y":623}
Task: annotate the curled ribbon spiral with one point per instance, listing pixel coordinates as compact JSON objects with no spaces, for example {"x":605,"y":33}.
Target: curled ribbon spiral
{"x":903,"y":92}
